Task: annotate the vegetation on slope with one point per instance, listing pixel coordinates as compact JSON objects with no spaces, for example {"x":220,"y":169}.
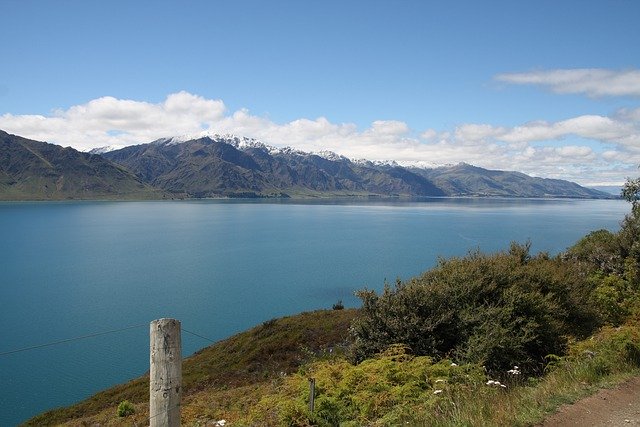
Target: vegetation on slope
{"x":275,"y":348}
{"x":396,"y":388}
{"x":499,"y":339}
{"x":32,"y":170}
{"x":495,"y":310}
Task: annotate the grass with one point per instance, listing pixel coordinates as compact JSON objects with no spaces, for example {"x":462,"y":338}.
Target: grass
{"x":260,"y":377}
{"x":604,"y":360}
{"x":398,"y":389}
{"x":229,"y":372}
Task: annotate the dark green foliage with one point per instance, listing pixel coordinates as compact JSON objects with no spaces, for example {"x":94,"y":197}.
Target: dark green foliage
{"x":338,"y":306}
{"x":630,"y":232}
{"x":612,"y":263}
{"x":500,"y":310}
{"x":599,"y":250}
{"x":631,"y":193}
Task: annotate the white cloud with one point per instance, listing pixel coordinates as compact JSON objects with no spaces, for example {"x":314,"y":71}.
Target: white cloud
{"x":477,"y":132}
{"x":541,"y":148}
{"x":595,"y":82}
{"x":429,"y":134}
{"x":629,"y":114}
{"x":389,"y":127}
{"x":118,"y":122}
{"x":605,"y":129}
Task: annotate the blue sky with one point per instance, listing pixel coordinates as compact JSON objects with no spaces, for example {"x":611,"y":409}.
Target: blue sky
{"x":550,"y":88}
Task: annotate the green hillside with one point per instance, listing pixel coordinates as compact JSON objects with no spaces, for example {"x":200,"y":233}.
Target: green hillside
{"x":33,"y":170}
{"x":232,"y":367}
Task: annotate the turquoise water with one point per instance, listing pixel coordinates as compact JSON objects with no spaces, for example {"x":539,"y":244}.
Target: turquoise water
{"x":73,"y":269}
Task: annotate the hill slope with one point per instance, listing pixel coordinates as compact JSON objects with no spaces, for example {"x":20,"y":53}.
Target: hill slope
{"x":33,"y":170}
{"x":468,"y":180}
{"x":247,"y":360}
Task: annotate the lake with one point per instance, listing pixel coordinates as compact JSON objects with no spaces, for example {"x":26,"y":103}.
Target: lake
{"x":72,"y":269}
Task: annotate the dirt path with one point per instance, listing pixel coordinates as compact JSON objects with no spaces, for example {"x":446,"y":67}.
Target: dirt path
{"x":619,"y":406}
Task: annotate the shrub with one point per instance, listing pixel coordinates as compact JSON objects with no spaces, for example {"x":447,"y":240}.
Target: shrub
{"x":338,"y":305}
{"x":389,"y":387}
{"x":599,"y":250}
{"x":498,"y":310}
{"x":126,"y":408}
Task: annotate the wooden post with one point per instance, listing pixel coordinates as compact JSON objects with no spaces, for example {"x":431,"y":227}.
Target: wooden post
{"x":165,"y":376}
{"x":312,"y":394}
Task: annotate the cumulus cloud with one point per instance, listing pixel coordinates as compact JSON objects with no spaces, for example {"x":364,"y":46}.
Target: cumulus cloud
{"x":108,"y":121}
{"x":588,"y":126}
{"x":541,"y":148}
{"x":477,"y":132}
{"x":594,"y":82}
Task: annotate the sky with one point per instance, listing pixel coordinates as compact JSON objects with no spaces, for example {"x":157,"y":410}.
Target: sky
{"x":548,"y":88}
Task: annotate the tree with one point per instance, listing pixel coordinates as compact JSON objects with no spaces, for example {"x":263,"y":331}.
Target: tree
{"x":631,"y":193}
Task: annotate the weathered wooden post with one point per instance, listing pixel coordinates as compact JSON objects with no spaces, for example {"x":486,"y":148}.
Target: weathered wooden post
{"x":165,"y":377}
{"x":312,"y":394}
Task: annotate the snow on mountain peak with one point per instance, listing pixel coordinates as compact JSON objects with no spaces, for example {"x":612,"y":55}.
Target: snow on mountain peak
{"x":243,"y":143}
{"x":420,"y":164}
{"x":330,"y":155}
{"x":105,"y":149}
{"x":240,"y":142}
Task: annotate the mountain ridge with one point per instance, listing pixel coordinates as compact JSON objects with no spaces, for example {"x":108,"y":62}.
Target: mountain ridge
{"x":214,"y":166}
{"x":261,"y":170}
{"x":34,"y":170}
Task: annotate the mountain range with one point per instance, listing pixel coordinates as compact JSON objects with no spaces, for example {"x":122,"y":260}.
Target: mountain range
{"x":232,"y":166}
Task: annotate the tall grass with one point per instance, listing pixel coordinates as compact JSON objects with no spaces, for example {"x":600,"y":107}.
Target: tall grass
{"x":396,"y":388}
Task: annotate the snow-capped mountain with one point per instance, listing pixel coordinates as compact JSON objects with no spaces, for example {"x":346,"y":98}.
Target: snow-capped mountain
{"x":213,"y":165}
{"x":243,"y":143}
{"x":232,"y":166}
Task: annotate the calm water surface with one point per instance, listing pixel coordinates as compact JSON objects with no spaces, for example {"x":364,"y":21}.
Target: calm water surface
{"x":73,"y":269}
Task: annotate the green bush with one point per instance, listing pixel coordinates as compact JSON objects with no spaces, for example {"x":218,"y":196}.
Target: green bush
{"x":498,"y":310}
{"x":599,"y":251}
{"x":126,"y":408}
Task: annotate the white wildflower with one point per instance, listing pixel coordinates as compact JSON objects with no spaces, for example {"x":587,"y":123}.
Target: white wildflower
{"x":514,"y":371}
{"x":437,"y":391}
{"x":495,"y":383}
{"x":453,"y":364}
{"x":221,"y":423}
